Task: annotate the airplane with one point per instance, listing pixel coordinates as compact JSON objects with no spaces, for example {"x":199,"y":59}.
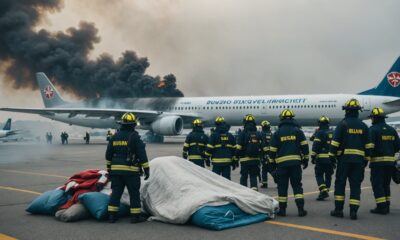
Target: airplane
{"x":6,"y":131}
{"x":168,"y":116}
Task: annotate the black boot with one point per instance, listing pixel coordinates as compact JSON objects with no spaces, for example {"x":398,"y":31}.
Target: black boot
{"x":353,"y":214}
{"x":301,"y":212}
{"x":112,"y":218}
{"x":137,"y":218}
{"x":282,"y":212}
{"x":322,"y":195}
{"x":381,"y":208}
{"x":337,"y":213}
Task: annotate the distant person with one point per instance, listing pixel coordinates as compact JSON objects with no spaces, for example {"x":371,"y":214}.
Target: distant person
{"x":221,"y":149}
{"x":50,"y":138}
{"x":109,"y":135}
{"x":62,"y":138}
{"x":266,"y":135}
{"x":66,"y":137}
{"x":351,"y":148}
{"x":125,"y":155}
{"x":289,"y":151}
{"x":47,"y":138}
{"x":87,"y":138}
{"x":249,"y":152}
{"x":320,"y":157}
{"x":195,"y":145}
{"x":386,"y":144}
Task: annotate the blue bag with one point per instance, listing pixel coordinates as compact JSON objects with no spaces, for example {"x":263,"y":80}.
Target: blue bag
{"x":48,"y":203}
{"x":97,"y":204}
{"x":224,"y":217}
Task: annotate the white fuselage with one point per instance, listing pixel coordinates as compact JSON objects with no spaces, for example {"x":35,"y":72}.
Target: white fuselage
{"x":4,"y":133}
{"x":307,"y":108}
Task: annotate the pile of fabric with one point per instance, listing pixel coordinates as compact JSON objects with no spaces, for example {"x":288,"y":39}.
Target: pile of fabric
{"x":177,"y":192}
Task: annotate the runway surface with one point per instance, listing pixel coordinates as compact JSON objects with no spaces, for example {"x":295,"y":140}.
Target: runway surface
{"x":28,"y":169}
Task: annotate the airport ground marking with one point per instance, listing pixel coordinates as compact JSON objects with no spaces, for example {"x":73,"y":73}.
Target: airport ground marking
{"x":5,"y":237}
{"x":37,"y":174}
{"x":19,"y":190}
{"x":324,"y":230}
{"x":317,"y":192}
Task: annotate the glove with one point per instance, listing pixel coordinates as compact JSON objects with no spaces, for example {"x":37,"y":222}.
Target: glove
{"x":146,"y":173}
{"x":304,"y":162}
{"x":313,"y":160}
{"x":208,"y":162}
{"x":99,"y":186}
{"x":184,"y":155}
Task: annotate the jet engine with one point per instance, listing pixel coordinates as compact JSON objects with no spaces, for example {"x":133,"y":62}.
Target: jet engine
{"x":167,"y":126}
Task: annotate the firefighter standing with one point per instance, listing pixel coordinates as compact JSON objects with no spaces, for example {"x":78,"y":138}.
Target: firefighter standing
{"x":320,"y":157}
{"x":351,"y":147}
{"x":109,"y":135}
{"x":288,"y":151}
{"x":266,"y":135}
{"x":125,"y":154}
{"x":249,"y":152}
{"x":221,"y":149}
{"x":386,"y":143}
{"x":195,"y":145}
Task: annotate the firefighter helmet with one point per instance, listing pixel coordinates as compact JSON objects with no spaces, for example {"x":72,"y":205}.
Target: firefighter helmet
{"x":323,"y":119}
{"x":377,"y":112}
{"x":197,"y":122}
{"x":265,"y":123}
{"x":128,"y":119}
{"x":287,"y":114}
{"x":219,"y":120}
{"x":352,"y":104}
{"x":249,"y":118}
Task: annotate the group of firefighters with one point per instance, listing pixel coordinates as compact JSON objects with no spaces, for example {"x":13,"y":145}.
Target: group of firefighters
{"x":284,"y":154}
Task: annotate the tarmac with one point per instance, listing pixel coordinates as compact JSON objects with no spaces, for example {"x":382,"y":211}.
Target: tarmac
{"x":28,"y":169}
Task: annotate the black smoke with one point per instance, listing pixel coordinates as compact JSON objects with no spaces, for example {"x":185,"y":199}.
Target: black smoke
{"x":63,"y":56}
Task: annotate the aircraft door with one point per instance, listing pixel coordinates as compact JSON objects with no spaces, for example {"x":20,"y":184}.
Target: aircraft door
{"x":366,"y":104}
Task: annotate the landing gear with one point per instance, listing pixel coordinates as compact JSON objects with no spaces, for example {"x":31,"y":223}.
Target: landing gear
{"x":151,"y":137}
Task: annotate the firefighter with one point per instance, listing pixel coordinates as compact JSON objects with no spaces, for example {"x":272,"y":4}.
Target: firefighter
{"x":320,"y":157}
{"x":266,"y":135}
{"x":125,"y":155}
{"x":195,"y":145}
{"x":350,"y":147}
{"x":249,"y":152}
{"x":221,"y":149}
{"x":386,"y":144}
{"x":109,"y":135}
{"x":288,"y":152}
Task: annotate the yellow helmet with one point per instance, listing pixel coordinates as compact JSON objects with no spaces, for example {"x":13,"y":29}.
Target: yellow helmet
{"x":219,"y":120}
{"x":265,"y":123}
{"x":249,"y":118}
{"x":197,"y":122}
{"x":377,"y":112}
{"x":287,"y":114}
{"x":128,"y":118}
{"x":323,"y":119}
{"x":352,"y":104}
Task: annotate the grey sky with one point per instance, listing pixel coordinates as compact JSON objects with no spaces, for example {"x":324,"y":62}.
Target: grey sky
{"x":241,"y":47}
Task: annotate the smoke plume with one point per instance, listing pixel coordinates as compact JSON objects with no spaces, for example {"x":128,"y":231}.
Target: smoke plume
{"x":63,"y":56}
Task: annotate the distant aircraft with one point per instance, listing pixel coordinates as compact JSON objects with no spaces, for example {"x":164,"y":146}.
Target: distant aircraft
{"x":6,"y":131}
{"x":168,"y":116}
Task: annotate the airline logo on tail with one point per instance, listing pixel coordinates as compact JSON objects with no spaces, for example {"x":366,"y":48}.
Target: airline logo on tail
{"x":48,"y":92}
{"x":394,"y":79}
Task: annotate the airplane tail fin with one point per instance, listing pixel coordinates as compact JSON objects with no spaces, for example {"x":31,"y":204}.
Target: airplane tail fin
{"x":390,"y":85}
{"x":50,"y":95}
{"x":8,"y":125}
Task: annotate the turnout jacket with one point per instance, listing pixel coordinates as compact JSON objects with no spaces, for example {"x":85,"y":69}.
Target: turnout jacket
{"x":288,"y":144}
{"x":266,"y":136}
{"x":350,"y":141}
{"x":195,"y":144}
{"x":321,"y":144}
{"x":221,"y":146}
{"x":126,"y":152}
{"x":249,"y":144}
{"x":385,"y":142}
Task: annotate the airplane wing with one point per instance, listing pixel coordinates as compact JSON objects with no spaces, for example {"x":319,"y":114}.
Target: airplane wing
{"x":146,"y":115}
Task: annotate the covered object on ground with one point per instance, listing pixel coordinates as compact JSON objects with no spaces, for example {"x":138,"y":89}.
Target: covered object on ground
{"x":178,"y":188}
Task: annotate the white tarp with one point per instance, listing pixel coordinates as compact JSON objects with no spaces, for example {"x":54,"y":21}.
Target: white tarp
{"x":177,"y":188}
